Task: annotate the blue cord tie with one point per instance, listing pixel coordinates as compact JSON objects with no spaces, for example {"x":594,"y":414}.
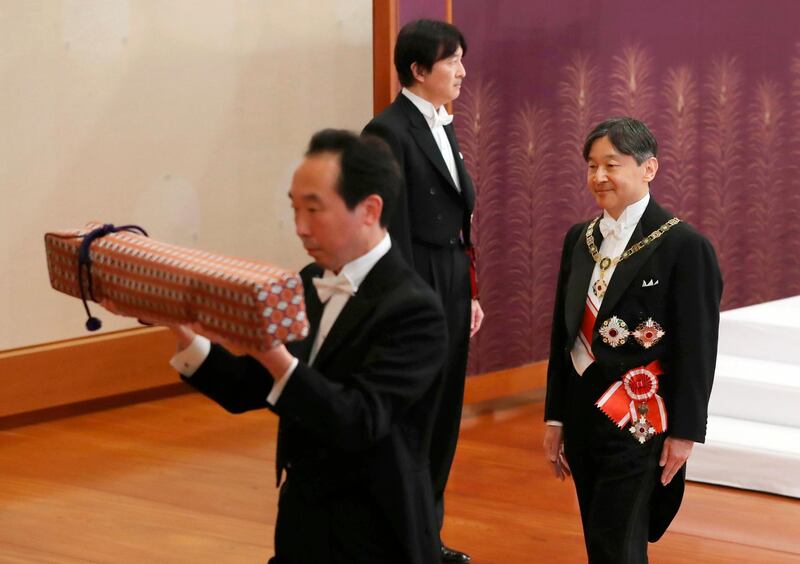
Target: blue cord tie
{"x":85,"y":265}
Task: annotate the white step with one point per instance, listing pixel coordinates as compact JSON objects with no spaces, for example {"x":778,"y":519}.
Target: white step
{"x":748,"y":454}
{"x":770,"y":331}
{"x":756,"y":390}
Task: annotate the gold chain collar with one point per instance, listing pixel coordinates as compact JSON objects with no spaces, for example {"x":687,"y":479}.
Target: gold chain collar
{"x":600,"y":286}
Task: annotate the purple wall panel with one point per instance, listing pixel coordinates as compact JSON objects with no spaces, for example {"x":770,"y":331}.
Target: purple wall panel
{"x":718,"y":82}
{"x":410,"y":10}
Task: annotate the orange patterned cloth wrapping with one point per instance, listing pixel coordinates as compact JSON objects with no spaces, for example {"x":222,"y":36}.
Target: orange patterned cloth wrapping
{"x":252,"y":304}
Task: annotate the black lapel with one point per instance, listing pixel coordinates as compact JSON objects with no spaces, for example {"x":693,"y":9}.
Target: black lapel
{"x":359,"y":306}
{"x":302,"y":349}
{"x":581,"y":269}
{"x":654,"y":217}
{"x":424,"y":137}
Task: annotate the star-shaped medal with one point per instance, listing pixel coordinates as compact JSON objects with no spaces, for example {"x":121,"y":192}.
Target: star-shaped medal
{"x":614,"y":332}
{"x":642,"y":430}
{"x":648,"y":333}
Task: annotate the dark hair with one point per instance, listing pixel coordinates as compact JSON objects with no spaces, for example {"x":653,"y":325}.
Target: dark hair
{"x":425,"y":42}
{"x":367,"y":167}
{"x":628,"y":136}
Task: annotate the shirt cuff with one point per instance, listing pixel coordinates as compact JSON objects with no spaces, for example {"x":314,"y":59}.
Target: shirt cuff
{"x":189,"y":359}
{"x":278,"y":386}
{"x":553,"y":423}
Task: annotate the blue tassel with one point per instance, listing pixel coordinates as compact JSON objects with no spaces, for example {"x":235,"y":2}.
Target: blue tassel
{"x":85,"y":265}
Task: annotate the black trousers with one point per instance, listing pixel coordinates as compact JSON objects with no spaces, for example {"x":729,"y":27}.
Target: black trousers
{"x":338,"y":527}
{"x":446,"y":269}
{"x":614,"y":476}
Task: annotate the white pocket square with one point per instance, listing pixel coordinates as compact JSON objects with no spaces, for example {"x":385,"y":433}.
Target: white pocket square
{"x":460,"y":155}
{"x":649,"y":283}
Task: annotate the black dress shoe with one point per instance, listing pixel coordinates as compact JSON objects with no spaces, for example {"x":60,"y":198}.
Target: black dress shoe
{"x":450,"y":555}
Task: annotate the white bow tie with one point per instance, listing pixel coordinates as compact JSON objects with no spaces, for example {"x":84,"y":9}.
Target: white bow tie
{"x":332,"y":284}
{"x":611,"y":228}
{"x":438,"y":119}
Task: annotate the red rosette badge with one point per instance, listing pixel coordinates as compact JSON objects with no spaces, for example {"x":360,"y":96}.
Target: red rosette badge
{"x":634,"y":399}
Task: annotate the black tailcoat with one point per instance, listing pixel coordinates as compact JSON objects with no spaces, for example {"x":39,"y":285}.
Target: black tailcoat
{"x":674,"y":281}
{"x":356,"y":425}
{"x":432,"y":211}
{"x":432,"y":224}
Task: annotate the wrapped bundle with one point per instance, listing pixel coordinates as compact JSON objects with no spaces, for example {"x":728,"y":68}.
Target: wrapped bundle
{"x":252,"y":304}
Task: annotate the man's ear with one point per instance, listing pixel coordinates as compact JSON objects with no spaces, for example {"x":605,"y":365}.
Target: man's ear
{"x":418,"y":72}
{"x":650,"y":169}
{"x":373,"y":207}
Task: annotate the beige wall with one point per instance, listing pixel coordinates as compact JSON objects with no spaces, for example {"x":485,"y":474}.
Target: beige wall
{"x":185,"y":117}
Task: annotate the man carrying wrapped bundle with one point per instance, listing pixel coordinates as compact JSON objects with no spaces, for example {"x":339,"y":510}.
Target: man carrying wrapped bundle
{"x":355,"y":399}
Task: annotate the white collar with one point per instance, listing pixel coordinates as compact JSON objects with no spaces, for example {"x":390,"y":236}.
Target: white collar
{"x":357,"y":269}
{"x":426,"y":108}
{"x":631,"y":215}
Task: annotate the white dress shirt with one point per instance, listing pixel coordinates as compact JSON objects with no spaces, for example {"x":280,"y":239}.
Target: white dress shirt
{"x":613,"y":245}
{"x":355,"y":271}
{"x":189,"y":360}
{"x":436,"y":120}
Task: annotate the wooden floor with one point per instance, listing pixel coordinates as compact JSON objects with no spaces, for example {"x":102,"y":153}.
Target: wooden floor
{"x":179,"y":480}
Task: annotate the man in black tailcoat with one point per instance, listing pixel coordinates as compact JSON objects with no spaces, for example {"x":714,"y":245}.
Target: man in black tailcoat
{"x":355,"y":399}
{"x":432,"y":221}
{"x":633,"y":350}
